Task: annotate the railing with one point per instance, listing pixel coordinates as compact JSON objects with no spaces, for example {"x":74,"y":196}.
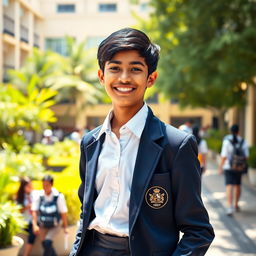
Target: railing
{"x":8,"y":25}
{"x":24,"y":33}
{"x":5,"y":73}
{"x":36,"y":40}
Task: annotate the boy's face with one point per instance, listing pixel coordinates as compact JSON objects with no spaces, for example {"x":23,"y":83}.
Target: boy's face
{"x":47,"y":186}
{"x":126,"y":79}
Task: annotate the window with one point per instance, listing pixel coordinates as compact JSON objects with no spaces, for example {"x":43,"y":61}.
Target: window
{"x":58,"y":45}
{"x":144,"y":7}
{"x":92,"y":42}
{"x":5,"y":2}
{"x":66,"y":8}
{"x":107,"y":7}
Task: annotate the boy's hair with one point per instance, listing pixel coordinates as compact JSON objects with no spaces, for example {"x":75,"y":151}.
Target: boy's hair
{"x":234,"y":129}
{"x":128,"y":39}
{"x":48,"y":178}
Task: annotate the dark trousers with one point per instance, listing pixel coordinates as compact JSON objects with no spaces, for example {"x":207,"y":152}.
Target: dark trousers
{"x":106,"y":245}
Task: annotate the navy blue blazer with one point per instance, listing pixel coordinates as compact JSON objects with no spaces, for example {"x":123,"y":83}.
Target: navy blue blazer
{"x":165,"y":194}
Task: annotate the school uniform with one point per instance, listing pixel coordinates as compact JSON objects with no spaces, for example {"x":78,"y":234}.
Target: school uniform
{"x":163,"y":194}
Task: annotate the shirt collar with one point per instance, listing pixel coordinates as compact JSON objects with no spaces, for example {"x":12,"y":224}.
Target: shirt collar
{"x":135,"y":124}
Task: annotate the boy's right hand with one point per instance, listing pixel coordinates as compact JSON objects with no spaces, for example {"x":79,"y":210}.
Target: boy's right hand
{"x":36,"y":229}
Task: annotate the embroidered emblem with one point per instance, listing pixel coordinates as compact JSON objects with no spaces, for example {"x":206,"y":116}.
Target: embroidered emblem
{"x":156,"y":197}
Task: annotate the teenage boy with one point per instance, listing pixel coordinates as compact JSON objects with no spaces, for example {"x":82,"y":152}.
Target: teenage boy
{"x":140,"y":177}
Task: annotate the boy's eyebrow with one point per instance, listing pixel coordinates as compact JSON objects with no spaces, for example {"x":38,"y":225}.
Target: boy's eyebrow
{"x":131,"y":63}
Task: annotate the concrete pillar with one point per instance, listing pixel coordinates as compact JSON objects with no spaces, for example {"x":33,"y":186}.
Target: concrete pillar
{"x":17,"y":34}
{"x":250,"y":116}
{"x":1,"y":43}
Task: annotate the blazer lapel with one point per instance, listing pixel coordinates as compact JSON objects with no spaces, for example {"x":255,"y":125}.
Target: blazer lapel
{"x":92,"y":154}
{"x":148,"y":155}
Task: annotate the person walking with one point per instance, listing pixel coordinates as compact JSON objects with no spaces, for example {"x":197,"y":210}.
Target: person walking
{"x":24,"y":199}
{"x":49,"y":212}
{"x":140,"y":177}
{"x":232,"y":145}
{"x":202,"y":148}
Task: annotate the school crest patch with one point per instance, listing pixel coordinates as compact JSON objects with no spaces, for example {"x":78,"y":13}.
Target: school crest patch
{"x":156,"y":197}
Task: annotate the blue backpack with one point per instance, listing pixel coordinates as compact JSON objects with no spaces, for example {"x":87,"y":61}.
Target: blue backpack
{"x":49,"y":216}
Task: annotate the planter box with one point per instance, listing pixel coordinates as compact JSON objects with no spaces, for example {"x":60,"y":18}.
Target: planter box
{"x":14,"y":249}
{"x":58,"y":243}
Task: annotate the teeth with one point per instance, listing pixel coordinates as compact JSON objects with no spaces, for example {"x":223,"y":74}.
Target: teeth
{"x":121,"y":89}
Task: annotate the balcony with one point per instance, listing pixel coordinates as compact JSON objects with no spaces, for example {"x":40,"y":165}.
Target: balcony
{"x":24,"y":34}
{"x":8,"y":25}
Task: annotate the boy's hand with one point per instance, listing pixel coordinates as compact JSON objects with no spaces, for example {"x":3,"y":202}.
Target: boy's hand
{"x":36,"y":229}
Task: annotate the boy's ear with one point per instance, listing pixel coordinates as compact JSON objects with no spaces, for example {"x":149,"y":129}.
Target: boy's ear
{"x":101,"y":76}
{"x":152,"y":78}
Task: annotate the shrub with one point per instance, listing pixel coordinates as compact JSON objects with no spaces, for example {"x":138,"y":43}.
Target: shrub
{"x":11,"y":222}
{"x":252,"y":157}
{"x":214,"y":140}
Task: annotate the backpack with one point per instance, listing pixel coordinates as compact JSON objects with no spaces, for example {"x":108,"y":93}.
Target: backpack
{"x":237,"y":160}
{"x":48,"y":212}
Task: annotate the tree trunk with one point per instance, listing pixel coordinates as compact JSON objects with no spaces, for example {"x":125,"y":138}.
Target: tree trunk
{"x":221,"y":120}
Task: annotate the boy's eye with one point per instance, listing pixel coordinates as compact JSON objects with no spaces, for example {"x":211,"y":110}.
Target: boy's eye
{"x":114,"y":68}
{"x":135,"y":69}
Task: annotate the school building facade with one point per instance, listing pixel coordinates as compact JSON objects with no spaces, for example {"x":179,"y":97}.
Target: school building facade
{"x":25,"y":24}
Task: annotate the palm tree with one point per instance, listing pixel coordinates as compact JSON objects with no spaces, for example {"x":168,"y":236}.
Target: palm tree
{"x":24,"y":111}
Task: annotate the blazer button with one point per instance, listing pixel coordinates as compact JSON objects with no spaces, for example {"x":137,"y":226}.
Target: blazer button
{"x":132,"y":238}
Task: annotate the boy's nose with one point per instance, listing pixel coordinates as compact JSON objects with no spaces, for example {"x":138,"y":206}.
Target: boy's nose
{"x":124,"y":77}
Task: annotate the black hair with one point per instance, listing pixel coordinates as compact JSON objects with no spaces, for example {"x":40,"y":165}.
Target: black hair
{"x":48,"y":178}
{"x":234,"y":129}
{"x":21,"y":191}
{"x":128,"y":39}
{"x":195,"y":131}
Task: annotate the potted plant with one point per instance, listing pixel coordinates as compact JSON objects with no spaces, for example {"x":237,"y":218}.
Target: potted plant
{"x":11,"y":223}
{"x":252,"y":165}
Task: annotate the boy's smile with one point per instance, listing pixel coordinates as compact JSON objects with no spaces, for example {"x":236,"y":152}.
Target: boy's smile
{"x":125,"y":79}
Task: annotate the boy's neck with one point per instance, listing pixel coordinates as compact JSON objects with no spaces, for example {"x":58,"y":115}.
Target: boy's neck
{"x":120,"y":117}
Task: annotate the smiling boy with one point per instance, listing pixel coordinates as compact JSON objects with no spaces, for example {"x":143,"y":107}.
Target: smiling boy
{"x":140,"y":177}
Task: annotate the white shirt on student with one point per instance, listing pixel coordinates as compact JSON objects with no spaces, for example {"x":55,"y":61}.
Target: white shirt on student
{"x":114,"y":174}
{"x":61,"y":202}
{"x":227,"y":150}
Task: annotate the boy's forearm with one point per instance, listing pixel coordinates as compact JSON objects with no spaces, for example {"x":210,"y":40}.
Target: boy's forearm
{"x":34,"y":217}
{"x":64,"y":219}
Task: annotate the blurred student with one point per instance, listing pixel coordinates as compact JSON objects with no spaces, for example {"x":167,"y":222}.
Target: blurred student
{"x":202,"y":148}
{"x":186,"y":127}
{"x":24,"y":198}
{"x":49,"y":212}
{"x":234,"y":153}
{"x":48,"y":137}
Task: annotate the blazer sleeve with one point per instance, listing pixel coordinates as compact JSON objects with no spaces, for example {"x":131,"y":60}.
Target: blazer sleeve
{"x":82,"y":168}
{"x":190,"y":214}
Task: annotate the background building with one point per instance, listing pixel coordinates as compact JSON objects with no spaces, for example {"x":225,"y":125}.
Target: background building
{"x":45,"y":23}
{"x":20,"y":26}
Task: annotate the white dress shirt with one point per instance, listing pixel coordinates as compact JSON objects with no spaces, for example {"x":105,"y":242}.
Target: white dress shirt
{"x":227,"y":150}
{"x":114,"y":174}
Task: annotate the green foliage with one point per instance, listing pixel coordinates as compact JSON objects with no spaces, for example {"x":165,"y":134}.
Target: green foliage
{"x":214,"y":140}
{"x":78,"y":80}
{"x":21,"y":164}
{"x":11,"y":222}
{"x":38,"y":67}
{"x":23,"y":111}
{"x":73,"y":205}
{"x":60,"y":153}
{"x":252,"y":157}
{"x":207,"y":50}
